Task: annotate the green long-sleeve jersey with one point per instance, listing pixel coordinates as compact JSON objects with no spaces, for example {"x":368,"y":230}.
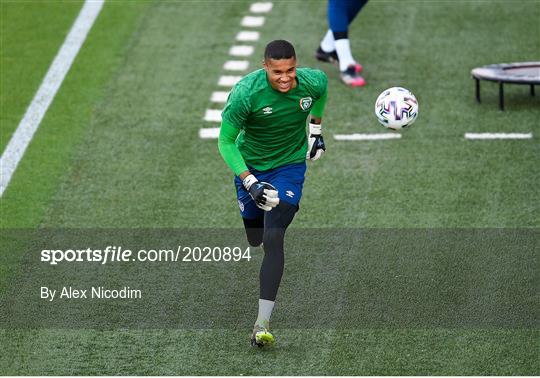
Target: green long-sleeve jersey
{"x":263,"y":128}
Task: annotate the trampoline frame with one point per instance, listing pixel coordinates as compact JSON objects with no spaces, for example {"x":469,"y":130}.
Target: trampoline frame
{"x":497,"y":73}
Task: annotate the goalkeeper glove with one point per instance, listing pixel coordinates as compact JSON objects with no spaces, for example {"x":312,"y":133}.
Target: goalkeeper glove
{"x":316,"y":146}
{"x":264,"y":194}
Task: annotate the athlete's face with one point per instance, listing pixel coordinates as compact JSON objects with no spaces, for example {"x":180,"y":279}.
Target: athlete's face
{"x":281,"y":73}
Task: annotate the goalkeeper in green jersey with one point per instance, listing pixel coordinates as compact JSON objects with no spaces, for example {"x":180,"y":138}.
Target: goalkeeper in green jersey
{"x":263,"y":140}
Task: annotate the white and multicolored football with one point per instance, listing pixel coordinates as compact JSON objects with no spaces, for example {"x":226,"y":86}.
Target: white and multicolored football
{"x":396,"y":108}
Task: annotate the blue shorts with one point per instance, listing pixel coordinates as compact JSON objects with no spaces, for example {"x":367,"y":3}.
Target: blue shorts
{"x":288,"y":180}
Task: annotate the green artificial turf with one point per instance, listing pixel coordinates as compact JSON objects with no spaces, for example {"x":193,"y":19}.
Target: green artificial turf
{"x":32,"y":33}
{"x":119,"y":149}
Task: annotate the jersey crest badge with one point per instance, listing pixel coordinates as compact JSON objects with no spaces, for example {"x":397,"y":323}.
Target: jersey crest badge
{"x":267,"y":110}
{"x":305,"y":103}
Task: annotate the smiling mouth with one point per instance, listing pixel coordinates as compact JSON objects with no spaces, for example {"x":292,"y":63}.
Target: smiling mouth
{"x":284,"y":85}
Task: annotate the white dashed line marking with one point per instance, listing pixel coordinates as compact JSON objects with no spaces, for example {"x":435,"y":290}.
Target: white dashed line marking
{"x":219,"y":97}
{"x":261,"y":7}
{"x":209,"y":133}
{"x":236,"y":65}
{"x":248,"y":36}
{"x":241,"y":50}
{"x":212,"y":115}
{"x":228,"y":81}
{"x":252,"y":21}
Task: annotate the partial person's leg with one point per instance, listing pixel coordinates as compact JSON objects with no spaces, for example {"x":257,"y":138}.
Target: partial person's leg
{"x":337,"y":18}
{"x":353,"y":8}
{"x":254,"y":230}
{"x":276,"y":222}
{"x":275,"y":225}
{"x":340,"y":15}
{"x":289,"y":181}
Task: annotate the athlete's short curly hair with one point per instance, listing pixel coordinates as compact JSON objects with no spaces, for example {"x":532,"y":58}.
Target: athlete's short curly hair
{"x":279,"y":49}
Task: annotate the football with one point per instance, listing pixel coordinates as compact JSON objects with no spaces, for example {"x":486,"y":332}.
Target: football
{"x":396,"y":108}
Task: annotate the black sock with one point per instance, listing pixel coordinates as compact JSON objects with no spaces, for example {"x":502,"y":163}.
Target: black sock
{"x":275,"y":225}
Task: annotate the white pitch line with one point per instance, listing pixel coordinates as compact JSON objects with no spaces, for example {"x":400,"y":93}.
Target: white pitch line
{"x":248,"y":36}
{"x":366,"y":136}
{"x":484,"y":136}
{"x":212,"y":115}
{"x":236,"y":65}
{"x":44,"y":96}
{"x":241,"y":50}
{"x":219,"y":97}
{"x":252,"y":21}
{"x":209,"y":133}
{"x":261,"y":7}
{"x":228,"y":81}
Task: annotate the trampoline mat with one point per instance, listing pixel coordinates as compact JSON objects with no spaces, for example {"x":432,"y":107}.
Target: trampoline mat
{"x":524,"y":73}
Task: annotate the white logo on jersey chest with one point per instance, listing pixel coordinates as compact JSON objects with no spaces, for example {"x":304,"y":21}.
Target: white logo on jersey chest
{"x":305,"y":103}
{"x":267,"y":110}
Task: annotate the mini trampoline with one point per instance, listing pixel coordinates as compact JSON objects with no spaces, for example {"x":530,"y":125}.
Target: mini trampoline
{"x":527,"y":73}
